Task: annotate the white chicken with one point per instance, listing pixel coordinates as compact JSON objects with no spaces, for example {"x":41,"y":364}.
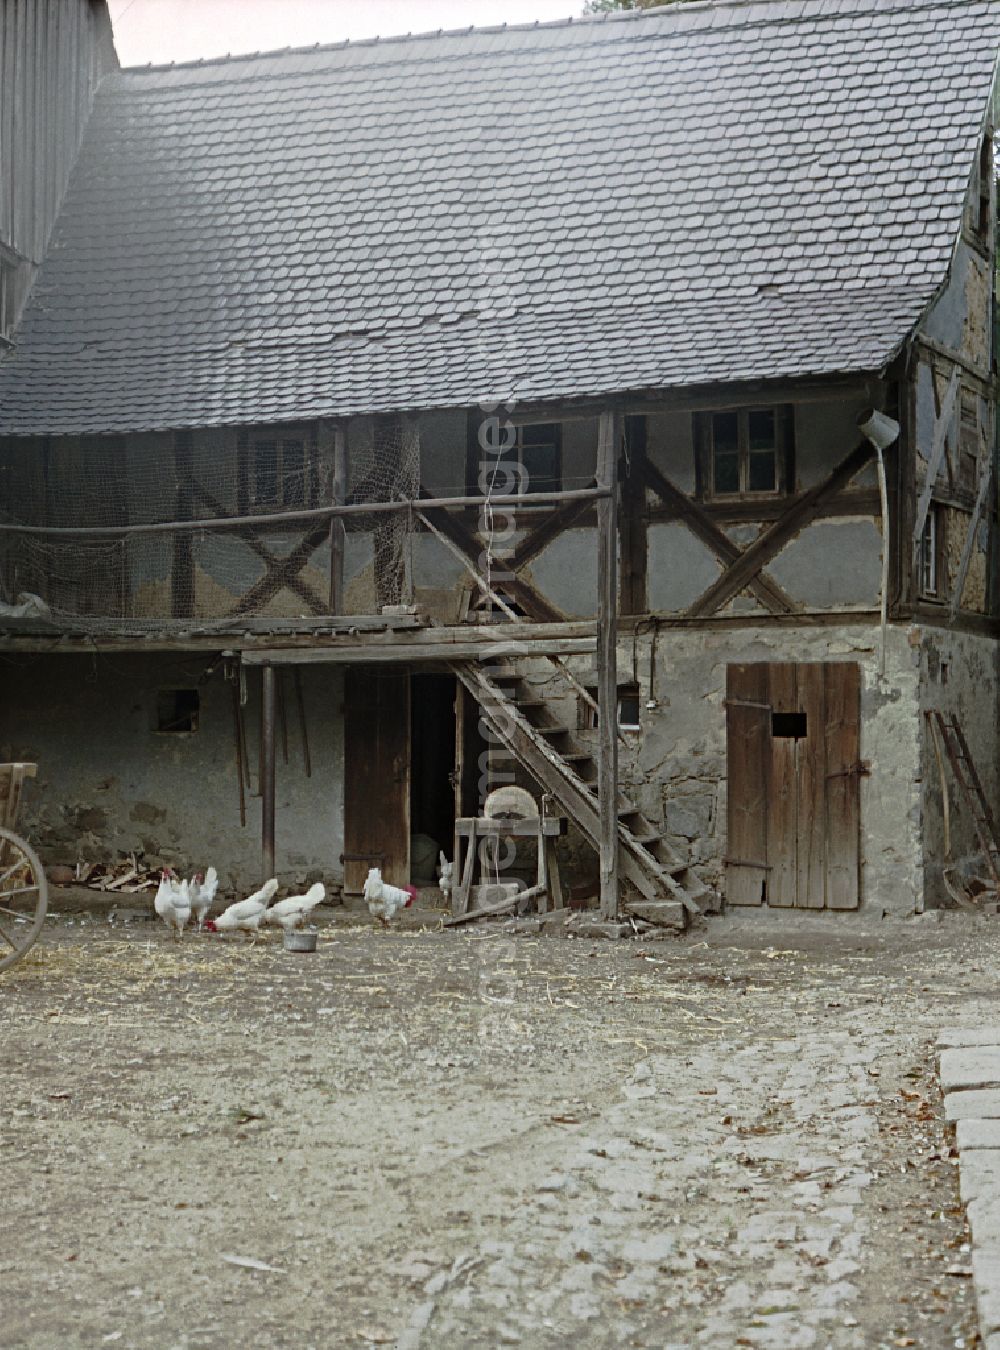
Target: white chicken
{"x":446,"y":872}
{"x":292,"y":913}
{"x":245,"y":914}
{"x":172,"y":902}
{"x":201,"y":891}
{"x":385,"y":901}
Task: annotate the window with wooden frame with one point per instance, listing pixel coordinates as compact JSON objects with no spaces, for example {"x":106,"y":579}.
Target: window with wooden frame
{"x":745,"y":452}
{"x":532,"y":462}
{"x":931,"y":556}
{"x":629,"y":709}
{"x":276,"y":470}
{"x":981,"y":203}
{"x":9,"y":263}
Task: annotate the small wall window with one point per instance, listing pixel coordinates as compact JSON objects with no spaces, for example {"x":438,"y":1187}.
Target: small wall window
{"x":177,"y":710}
{"x":745,"y":451}
{"x":930,"y":554}
{"x":629,"y":709}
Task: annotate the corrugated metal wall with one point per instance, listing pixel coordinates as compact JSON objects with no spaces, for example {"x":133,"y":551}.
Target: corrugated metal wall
{"x":53,"y":54}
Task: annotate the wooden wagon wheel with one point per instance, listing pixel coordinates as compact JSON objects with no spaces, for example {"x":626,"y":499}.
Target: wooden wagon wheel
{"x":24,"y":897}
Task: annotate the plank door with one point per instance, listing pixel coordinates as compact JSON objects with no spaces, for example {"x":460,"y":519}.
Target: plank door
{"x":843,"y":784}
{"x":376,"y":776}
{"x":783,"y":789}
{"x":793,"y":736}
{"x":749,"y":737}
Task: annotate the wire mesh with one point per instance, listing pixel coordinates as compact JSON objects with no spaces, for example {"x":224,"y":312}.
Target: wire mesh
{"x":214,"y":574}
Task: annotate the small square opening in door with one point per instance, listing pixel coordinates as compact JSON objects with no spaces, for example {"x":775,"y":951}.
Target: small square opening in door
{"x":789,"y":726}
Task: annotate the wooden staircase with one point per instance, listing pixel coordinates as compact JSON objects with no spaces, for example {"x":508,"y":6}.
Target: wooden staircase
{"x":659,"y":885}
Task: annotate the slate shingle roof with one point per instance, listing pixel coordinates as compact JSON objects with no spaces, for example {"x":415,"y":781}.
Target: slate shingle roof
{"x":710,"y":192}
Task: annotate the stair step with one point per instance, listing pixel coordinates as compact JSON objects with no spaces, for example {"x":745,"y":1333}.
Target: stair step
{"x":648,"y":863}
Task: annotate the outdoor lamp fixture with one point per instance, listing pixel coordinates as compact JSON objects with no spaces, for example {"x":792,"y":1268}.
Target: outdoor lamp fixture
{"x":882,"y":431}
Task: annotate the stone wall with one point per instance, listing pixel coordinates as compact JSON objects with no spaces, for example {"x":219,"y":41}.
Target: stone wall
{"x":110,"y":783}
{"x":675,"y":767}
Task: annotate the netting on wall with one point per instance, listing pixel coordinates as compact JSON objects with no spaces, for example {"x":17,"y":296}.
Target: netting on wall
{"x":218,"y":573}
{"x":392,"y":473}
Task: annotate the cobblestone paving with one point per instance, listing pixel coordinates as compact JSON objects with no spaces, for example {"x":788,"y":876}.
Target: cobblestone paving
{"x":444,"y":1140}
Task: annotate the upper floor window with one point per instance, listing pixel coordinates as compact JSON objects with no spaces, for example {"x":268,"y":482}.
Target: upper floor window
{"x":276,"y":472}
{"x":981,"y":203}
{"x":746,"y":451}
{"x":9,"y":265}
{"x":930,"y":559}
{"x":531,"y":460}
{"x":539,"y":450}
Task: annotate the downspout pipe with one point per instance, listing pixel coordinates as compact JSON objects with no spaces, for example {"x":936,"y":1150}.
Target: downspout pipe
{"x":882,"y":431}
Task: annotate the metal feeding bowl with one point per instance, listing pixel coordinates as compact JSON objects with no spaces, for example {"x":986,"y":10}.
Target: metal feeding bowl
{"x":298,"y":941}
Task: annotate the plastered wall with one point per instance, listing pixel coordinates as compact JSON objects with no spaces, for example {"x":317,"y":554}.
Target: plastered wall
{"x":109,"y":783}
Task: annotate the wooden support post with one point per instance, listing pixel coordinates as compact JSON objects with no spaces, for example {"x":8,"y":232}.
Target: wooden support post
{"x":337,"y":533}
{"x":632,"y":516}
{"x":609,"y":443}
{"x":182,"y":570}
{"x":268,"y":702}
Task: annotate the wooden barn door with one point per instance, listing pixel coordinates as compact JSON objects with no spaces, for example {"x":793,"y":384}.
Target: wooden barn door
{"x":793,"y":736}
{"x":376,"y":776}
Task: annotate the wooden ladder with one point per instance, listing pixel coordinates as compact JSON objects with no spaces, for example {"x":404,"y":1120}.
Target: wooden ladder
{"x":557,"y":763}
{"x":956,"y":747}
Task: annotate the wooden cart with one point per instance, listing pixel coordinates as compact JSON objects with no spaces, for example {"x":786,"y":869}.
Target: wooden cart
{"x":24,"y":891}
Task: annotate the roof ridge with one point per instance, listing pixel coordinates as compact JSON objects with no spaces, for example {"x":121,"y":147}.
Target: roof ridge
{"x":804,"y":10}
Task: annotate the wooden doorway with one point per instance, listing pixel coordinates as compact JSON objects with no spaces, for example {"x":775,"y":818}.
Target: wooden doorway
{"x":376,"y":776}
{"x":793,"y":740}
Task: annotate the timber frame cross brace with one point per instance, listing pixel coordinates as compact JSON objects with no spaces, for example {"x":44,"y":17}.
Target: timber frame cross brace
{"x":281,"y":572}
{"x":743,"y":568}
{"x":534,"y":604}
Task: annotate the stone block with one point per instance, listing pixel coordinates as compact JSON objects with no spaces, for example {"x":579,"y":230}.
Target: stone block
{"x":959,"y":1036}
{"x":986,"y":1276}
{"x":979,"y":1175}
{"x":976,"y":1134}
{"x":660,"y":913}
{"x":976,"y":1066}
{"x":973,"y":1104}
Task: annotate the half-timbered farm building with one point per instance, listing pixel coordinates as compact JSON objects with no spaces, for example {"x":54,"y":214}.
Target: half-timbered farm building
{"x":607,"y":404}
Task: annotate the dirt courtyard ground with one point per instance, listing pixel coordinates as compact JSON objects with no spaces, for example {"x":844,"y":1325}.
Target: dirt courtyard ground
{"x":459,"y":1139}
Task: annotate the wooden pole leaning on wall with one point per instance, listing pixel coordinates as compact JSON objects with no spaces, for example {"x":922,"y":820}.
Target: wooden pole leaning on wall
{"x":608,"y":447}
{"x":268,"y":704}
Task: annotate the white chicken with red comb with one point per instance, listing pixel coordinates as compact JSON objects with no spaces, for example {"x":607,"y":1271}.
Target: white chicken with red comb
{"x":385,"y":901}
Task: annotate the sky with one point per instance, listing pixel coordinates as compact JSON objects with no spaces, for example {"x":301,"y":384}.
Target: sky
{"x":188,"y":30}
